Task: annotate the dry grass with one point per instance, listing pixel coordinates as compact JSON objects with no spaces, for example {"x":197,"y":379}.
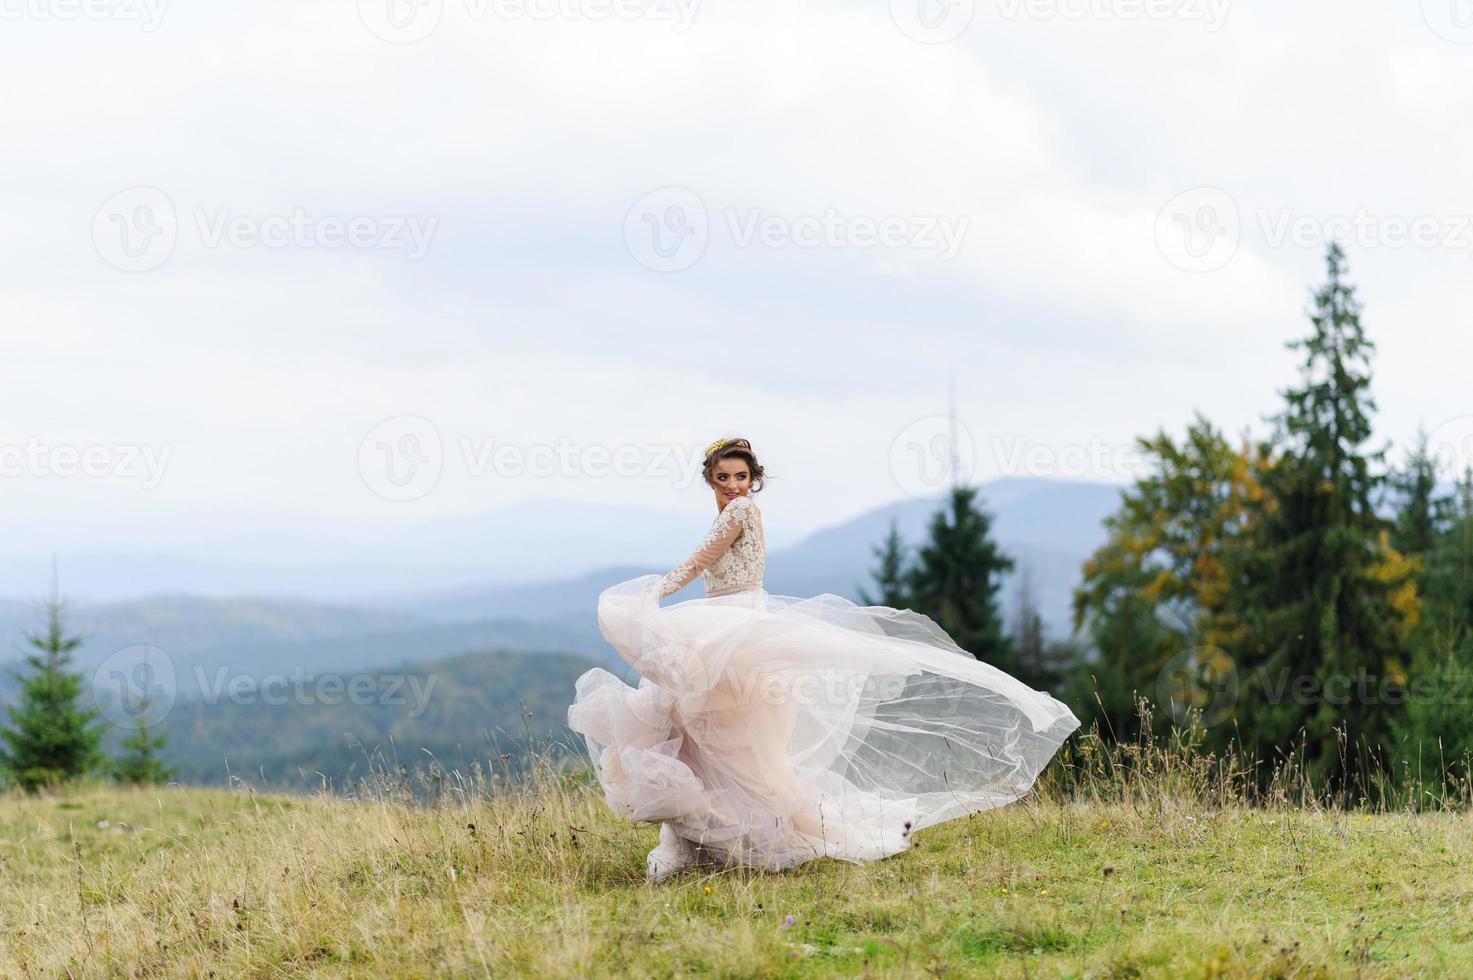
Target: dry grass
{"x":1135,"y":861}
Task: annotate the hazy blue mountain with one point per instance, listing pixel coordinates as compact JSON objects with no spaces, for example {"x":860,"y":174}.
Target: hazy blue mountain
{"x":1051,"y":525}
{"x":256,"y":637}
{"x":457,"y":710}
{"x":349,"y":561}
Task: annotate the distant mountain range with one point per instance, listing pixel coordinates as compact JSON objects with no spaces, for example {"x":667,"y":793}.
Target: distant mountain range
{"x":1049,"y":526}
{"x":356,"y":563}
{"x":488,"y":648}
{"x":472,"y":708}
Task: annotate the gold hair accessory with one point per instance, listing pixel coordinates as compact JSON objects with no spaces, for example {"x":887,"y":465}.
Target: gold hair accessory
{"x":721,"y":442}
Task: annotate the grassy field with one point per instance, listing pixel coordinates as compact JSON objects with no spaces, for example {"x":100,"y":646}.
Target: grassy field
{"x":542,"y":879}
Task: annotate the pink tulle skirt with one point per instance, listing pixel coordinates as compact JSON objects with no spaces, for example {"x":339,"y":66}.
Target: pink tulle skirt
{"x":771,"y":729}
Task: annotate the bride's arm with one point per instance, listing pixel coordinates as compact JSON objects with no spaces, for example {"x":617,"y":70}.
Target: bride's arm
{"x":724,"y":530}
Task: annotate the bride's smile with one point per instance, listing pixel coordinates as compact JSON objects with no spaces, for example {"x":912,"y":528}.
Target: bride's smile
{"x":730,"y":479}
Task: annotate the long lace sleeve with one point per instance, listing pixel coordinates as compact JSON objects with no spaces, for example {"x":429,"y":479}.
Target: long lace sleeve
{"x":729,"y":524}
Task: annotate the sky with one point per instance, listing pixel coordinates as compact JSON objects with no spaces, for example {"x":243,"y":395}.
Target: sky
{"x":332,"y":267}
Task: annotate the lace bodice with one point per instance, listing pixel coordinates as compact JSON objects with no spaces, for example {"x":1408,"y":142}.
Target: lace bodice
{"x":730,"y":557}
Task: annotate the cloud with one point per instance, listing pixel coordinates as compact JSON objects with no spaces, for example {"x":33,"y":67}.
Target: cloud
{"x":1051,"y":144}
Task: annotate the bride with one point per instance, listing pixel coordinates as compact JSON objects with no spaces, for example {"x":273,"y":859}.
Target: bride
{"x":768,"y":730}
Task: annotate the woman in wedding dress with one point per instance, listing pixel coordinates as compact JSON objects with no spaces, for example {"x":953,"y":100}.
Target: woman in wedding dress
{"x":768,"y":730}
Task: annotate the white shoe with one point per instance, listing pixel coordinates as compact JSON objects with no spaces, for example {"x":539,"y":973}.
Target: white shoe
{"x":674,"y":853}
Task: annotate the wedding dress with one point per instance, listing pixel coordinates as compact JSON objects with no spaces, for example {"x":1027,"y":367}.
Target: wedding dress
{"x":767,"y":730}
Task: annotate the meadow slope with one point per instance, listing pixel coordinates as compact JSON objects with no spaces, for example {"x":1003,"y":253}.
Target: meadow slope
{"x":542,"y":879}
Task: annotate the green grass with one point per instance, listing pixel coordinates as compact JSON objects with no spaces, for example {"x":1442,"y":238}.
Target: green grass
{"x":543,"y":880}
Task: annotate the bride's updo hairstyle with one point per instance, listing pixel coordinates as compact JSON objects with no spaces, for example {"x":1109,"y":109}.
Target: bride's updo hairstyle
{"x":733,"y":449}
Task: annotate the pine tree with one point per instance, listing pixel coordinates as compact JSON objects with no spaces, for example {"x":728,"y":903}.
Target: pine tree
{"x":1318,"y":591}
{"x":1417,"y":510}
{"x":890,"y":575}
{"x":140,"y":762}
{"x":1436,"y":734}
{"x":957,"y":576}
{"x":52,"y":738}
{"x":1041,"y":663}
{"x":1028,"y":639}
{"x":1448,"y":578}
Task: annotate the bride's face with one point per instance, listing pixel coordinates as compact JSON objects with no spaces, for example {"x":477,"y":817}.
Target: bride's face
{"x":730,"y":479}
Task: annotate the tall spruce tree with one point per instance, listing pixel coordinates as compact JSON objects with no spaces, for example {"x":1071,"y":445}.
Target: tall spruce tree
{"x":51,"y":737}
{"x":889,"y":575}
{"x":1414,"y":488}
{"x":1323,"y":629}
{"x":1448,"y":578}
{"x":957,"y":576}
{"x":1436,"y":733}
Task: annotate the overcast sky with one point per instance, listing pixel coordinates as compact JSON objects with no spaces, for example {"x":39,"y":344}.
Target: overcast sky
{"x":313,"y":262}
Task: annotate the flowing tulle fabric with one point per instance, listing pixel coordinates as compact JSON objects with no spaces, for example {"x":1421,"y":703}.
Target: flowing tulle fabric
{"x":772,"y":729}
